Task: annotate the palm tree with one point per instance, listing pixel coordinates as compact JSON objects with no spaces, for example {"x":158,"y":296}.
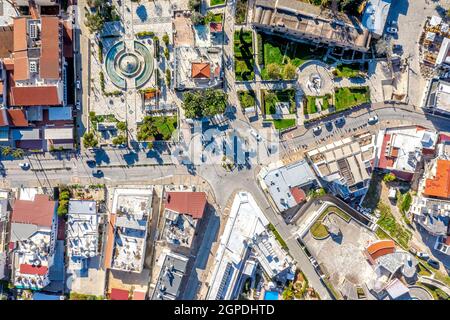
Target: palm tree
{"x":17,"y":153}
{"x":6,"y":151}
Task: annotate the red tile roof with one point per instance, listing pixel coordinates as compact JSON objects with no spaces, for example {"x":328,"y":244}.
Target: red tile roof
{"x":385,"y":162}
{"x":119,"y":294}
{"x":17,"y":118}
{"x":298,"y":194}
{"x":3,"y":118}
{"x":201,"y":70}
{"x":68,"y":40}
{"x":39,"y":212}
{"x":380,"y":248}
{"x":20,"y":34}
{"x":191,"y":203}
{"x":30,"y":269}
{"x":110,"y":241}
{"x":439,"y":186}
{"x":49,"y":66}
{"x":138,"y":295}
{"x":35,"y":96}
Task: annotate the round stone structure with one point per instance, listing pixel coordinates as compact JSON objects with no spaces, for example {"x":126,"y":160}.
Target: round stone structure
{"x":129,"y":67}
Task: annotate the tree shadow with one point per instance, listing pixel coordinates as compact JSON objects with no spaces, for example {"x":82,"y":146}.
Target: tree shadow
{"x":131,"y":158}
{"x":101,"y":156}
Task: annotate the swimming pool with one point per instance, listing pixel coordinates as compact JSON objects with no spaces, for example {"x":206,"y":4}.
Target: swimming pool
{"x":271,"y":295}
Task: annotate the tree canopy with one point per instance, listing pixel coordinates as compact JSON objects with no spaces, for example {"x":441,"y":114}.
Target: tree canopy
{"x":204,"y":103}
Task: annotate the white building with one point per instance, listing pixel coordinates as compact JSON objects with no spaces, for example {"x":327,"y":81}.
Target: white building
{"x":375,"y":15}
{"x":288,"y":185}
{"x":130,"y":213}
{"x":33,"y":241}
{"x":244,"y":243}
{"x":82,"y":232}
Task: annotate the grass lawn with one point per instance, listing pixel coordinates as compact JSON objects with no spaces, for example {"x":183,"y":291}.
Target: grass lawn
{"x":218,"y":17}
{"x":387,"y":222}
{"x":281,"y":51}
{"x":216,"y":2}
{"x":348,"y":70}
{"x":318,"y":230}
{"x":271,"y":98}
{"x":243,"y":55}
{"x":165,"y":128}
{"x":310,"y":105}
{"x":281,"y":124}
{"x":349,"y":97}
{"x":247,"y":98}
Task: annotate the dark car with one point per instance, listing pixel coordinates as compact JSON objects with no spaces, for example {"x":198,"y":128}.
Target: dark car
{"x":97,"y":173}
{"x":433,"y":263}
{"x":91,"y":163}
{"x":397,"y":49}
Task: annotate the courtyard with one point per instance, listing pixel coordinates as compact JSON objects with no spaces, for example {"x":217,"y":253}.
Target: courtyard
{"x":341,"y":258}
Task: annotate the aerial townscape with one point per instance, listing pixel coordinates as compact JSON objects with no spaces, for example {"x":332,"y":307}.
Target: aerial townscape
{"x":225,"y":150}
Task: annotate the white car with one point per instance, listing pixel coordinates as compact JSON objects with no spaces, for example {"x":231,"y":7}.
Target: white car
{"x":24,"y":165}
{"x":373,"y":119}
{"x":78,"y":84}
{"x":255,"y":134}
{"x":78,"y":105}
{"x":317,"y":130}
{"x":392,"y":30}
{"x":423,"y":255}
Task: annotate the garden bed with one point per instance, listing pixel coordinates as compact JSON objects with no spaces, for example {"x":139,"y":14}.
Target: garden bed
{"x":271,"y":98}
{"x":282,"y":124}
{"x":309,"y":106}
{"x":243,"y":55}
{"x":247,"y":99}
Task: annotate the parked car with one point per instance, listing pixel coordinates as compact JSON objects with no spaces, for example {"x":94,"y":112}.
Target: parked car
{"x":340,"y":121}
{"x":423,"y":255}
{"x":255,"y":134}
{"x":373,"y":120}
{"x":91,"y":163}
{"x":78,"y":84}
{"x":433,"y":263}
{"x":24,"y":165}
{"x":392,"y":30}
{"x":317,"y":130}
{"x":97,"y":173}
{"x":78,"y":105}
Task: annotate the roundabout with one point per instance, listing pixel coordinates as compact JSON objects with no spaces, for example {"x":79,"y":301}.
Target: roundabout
{"x":129,"y":65}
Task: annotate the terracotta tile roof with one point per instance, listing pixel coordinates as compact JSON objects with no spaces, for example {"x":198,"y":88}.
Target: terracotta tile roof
{"x":21,"y":66}
{"x":6,"y":41}
{"x":35,"y":96}
{"x":3,"y":118}
{"x":17,"y":118}
{"x":298,"y":194}
{"x":439,"y":186}
{"x":385,"y":162}
{"x":191,"y":203}
{"x":215,"y":27}
{"x":380,"y":248}
{"x":67,"y":40}
{"x":50,"y":48}
{"x":138,"y":295}
{"x":39,"y":212}
{"x":110,"y":241}
{"x":20,"y":34}
{"x":30,"y":269}
{"x":201,"y":70}
{"x":119,"y":294}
